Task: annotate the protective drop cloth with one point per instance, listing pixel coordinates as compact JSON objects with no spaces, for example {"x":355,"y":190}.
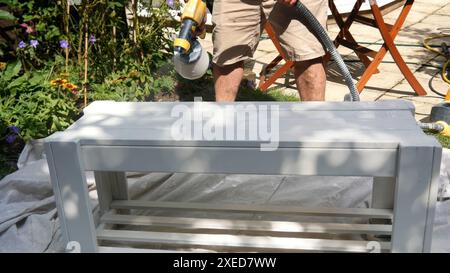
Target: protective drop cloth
{"x":29,"y":223}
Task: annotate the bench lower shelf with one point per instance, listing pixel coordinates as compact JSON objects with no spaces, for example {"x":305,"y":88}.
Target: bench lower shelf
{"x":120,"y":231}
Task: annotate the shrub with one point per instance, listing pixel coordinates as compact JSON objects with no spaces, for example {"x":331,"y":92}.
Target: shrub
{"x":31,"y":103}
{"x":49,"y":70}
{"x":134,"y":85}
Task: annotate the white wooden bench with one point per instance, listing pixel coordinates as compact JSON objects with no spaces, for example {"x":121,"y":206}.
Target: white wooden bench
{"x":376,"y":139}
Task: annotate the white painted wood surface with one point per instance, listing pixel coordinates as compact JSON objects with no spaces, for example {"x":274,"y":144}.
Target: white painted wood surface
{"x":241,"y":241}
{"x":379,"y":139}
{"x":309,"y":125}
{"x":336,"y":212}
{"x":199,"y":224}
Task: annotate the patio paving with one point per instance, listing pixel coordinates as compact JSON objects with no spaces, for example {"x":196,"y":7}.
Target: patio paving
{"x":427,"y":17}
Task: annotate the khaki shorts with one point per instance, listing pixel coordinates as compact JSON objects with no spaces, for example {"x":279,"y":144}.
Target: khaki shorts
{"x":239,"y":23}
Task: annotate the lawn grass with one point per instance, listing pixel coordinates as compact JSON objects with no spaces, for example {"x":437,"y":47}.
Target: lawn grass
{"x":248,"y":94}
{"x":445,"y":141}
{"x":204,"y":88}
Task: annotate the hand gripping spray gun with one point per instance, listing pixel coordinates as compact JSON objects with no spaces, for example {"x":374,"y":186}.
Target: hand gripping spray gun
{"x":190,"y":59}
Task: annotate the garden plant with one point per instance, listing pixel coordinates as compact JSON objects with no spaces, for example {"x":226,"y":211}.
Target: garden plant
{"x":58,"y":56}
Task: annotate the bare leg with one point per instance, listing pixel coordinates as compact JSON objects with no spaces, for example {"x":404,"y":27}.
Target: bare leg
{"x":311,"y":78}
{"x":227,"y":80}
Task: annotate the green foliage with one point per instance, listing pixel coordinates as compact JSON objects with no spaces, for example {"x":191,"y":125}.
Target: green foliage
{"x":39,"y":20}
{"x":132,"y":86}
{"x":123,"y":64}
{"x":8,"y":153}
{"x":5,"y":163}
{"x":154,"y":39}
{"x":11,"y":71}
{"x":107,"y":23}
{"x":444,"y":140}
{"x":39,"y":113}
{"x":119,"y":68}
{"x":5,"y":15}
{"x":247,"y":93}
{"x":32,"y":104}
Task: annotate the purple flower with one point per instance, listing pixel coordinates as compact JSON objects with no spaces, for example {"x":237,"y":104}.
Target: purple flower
{"x":22,"y":44}
{"x":11,"y":138}
{"x":64,"y":44}
{"x":170,"y":3}
{"x":14,"y":129}
{"x":34,"y":43}
{"x":92,"y":39}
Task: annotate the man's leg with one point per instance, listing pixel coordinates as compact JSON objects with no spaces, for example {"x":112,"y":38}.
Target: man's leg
{"x":311,"y":79}
{"x":235,"y":38}
{"x":227,"y":80}
{"x":302,"y":46}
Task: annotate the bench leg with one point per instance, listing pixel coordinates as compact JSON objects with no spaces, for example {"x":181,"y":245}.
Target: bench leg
{"x":433,"y":196}
{"x":415,"y":198}
{"x":110,"y":186}
{"x":71,"y":194}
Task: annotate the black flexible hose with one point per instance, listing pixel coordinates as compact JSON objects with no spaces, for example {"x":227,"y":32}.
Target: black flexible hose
{"x":430,"y":84}
{"x":317,"y":29}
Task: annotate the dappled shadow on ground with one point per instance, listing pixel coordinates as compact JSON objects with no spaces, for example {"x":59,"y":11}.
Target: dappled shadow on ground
{"x":188,"y":90}
{"x":334,"y":74}
{"x":355,"y":67}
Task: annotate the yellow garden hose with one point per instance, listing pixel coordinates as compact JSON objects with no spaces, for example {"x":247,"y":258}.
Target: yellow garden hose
{"x":439,"y":111}
{"x":447,"y":62}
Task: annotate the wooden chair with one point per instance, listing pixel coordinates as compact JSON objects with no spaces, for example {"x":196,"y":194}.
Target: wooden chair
{"x":345,"y":38}
{"x":263,"y":82}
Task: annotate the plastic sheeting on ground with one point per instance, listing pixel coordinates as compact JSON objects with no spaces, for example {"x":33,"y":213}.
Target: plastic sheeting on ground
{"x":29,"y":223}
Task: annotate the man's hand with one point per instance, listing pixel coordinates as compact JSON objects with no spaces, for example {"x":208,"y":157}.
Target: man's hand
{"x":288,"y":3}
